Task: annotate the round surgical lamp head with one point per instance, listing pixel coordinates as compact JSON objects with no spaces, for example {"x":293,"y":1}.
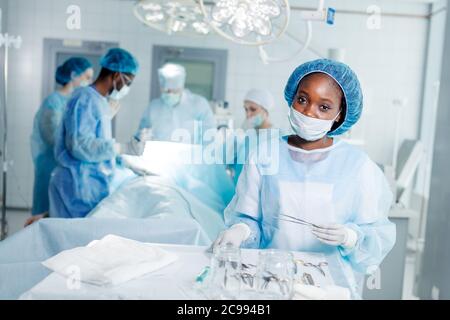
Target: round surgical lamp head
{"x":176,"y":16}
{"x":247,"y":22}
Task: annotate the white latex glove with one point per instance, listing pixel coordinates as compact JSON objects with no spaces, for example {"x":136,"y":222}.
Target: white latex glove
{"x":133,"y":148}
{"x":336,"y":235}
{"x":235,"y":235}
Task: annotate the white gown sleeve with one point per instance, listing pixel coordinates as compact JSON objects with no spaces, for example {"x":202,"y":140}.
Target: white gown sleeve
{"x":245,"y":206}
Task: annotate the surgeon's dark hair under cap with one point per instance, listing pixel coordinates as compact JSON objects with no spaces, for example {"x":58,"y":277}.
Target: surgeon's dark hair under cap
{"x":344,"y":77}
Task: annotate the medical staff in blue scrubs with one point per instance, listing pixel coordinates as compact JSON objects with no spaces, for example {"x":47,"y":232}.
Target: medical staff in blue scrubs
{"x":88,"y":170}
{"x":327,"y":195}
{"x":73,"y":73}
{"x":177,"y":108}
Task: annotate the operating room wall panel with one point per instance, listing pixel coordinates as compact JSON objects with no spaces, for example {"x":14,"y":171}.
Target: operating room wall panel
{"x":435,"y":56}
{"x":378,"y":56}
{"x":434,"y":281}
{"x":388,"y":63}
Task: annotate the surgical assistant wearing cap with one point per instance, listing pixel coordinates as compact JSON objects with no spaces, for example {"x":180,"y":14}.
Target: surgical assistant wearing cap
{"x":328,"y":183}
{"x":75,"y":72}
{"x":343,"y":76}
{"x":177,"y":108}
{"x":72,"y":71}
{"x":258,"y":105}
{"x":86,"y":153}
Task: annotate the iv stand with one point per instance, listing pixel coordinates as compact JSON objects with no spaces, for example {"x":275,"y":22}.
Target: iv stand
{"x":7,"y":41}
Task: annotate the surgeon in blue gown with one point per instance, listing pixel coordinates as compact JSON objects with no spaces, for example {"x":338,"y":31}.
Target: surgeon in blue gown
{"x":73,"y":73}
{"x":327,"y":195}
{"x":88,"y":168}
{"x":177,"y":109}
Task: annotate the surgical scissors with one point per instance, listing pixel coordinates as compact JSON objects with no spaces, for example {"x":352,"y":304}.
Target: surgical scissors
{"x":316,"y":266}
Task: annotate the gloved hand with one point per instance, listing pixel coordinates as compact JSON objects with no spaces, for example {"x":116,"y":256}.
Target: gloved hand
{"x":135,"y":167}
{"x":133,"y":148}
{"x":235,"y":235}
{"x":336,"y":235}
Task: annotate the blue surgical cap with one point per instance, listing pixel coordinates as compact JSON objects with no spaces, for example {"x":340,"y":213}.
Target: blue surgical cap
{"x":172,"y":76}
{"x":119,"y":60}
{"x":72,"y":67}
{"x":344,"y":77}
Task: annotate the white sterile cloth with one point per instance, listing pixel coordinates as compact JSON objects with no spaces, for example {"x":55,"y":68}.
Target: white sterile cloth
{"x":110,"y":261}
{"x":308,"y":292}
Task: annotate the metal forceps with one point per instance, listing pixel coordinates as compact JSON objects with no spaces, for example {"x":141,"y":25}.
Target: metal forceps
{"x":318,"y":266}
{"x":288,"y":218}
{"x":282,"y":283}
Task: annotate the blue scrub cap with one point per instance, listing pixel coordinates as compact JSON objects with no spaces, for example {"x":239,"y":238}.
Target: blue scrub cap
{"x":72,"y":67}
{"x":344,"y":77}
{"x":119,"y":60}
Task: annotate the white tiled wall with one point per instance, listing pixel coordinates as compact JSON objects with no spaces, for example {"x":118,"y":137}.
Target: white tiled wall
{"x":389,"y":61}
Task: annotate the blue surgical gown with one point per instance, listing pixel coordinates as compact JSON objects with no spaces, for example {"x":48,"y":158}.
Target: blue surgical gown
{"x":46,"y":122}
{"x":335,"y":185}
{"x":164,"y":120}
{"x":242,"y":144}
{"x":87,"y":170}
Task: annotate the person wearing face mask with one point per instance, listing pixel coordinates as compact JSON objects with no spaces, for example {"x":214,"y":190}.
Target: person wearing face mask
{"x":338,"y":192}
{"x":257,"y":106}
{"x":88,"y":164}
{"x":73,"y":73}
{"x":177,"y":108}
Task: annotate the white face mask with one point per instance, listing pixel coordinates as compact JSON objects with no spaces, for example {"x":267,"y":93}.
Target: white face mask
{"x":253,"y":122}
{"x":171,"y":99}
{"x":118,"y":95}
{"x":308,"y":128}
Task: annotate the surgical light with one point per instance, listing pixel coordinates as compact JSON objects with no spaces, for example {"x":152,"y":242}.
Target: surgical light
{"x":249,"y":22}
{"x":181,"y":16}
